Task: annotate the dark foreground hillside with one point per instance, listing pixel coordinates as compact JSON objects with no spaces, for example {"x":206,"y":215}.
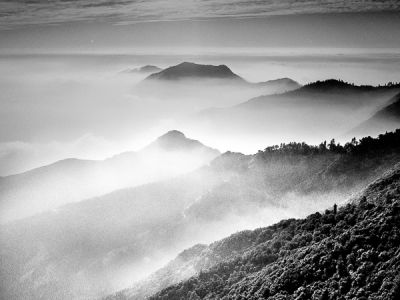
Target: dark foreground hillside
{"x":348,"y":253}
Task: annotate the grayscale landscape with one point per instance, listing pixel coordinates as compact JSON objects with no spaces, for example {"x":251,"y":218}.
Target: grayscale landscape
{"x":199,"y":150}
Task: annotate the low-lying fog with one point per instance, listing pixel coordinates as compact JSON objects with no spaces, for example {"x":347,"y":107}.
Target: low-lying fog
{"x":60,"y":106}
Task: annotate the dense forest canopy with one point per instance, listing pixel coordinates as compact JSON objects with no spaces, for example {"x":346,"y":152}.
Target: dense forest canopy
{"x":389,"y":140}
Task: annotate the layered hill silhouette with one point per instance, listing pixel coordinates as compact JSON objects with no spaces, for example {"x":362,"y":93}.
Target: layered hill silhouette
{"x":192,"y":71}
{"x":72,"y":180}
{"x":210,"y":85}
{"x":109,"y":241}
{"x":281,"y":85}
{"x":324,"y":109}
{"x":350,"y":252}
{"x":386,"y":119}
{"x":335,"y":92}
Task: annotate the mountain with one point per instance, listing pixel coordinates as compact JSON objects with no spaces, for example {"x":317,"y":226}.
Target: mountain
{"x":291,"y":180}
{"x":335,"y":85}
{"x":147,"y":69}
{"x":346,"y":253}
{"x":188,"y":70}
{"x":72,"y":180}
{"x":98,"y":246}
{"x":319,"y":110}
{"x":193,"y":87}
{"x":328,"y":91}
{"x":193,"y":71}
{"x":281,"y":85}
{"x":386,"y":119}
{"x":176,"y":140}
{"x":88,"y":249}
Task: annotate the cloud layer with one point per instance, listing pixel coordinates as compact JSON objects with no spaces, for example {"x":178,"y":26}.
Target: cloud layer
{"x":15,"y":13}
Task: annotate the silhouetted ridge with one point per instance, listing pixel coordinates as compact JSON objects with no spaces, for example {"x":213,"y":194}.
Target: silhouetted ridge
{"x":187,"y":70}
{"x":327,"y":91}
{"x":333,"y":84}
{"x":330,"y":85}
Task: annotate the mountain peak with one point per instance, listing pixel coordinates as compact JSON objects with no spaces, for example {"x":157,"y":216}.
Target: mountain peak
{"x":175,"y":140}
{"x":173,"y":134}
{"x":144,"y":69}
{"x":148,"y":68}
{"x":190,"y":70}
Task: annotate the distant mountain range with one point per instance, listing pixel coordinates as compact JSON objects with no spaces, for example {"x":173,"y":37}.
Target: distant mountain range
{"x":193,"y":71}
{"x":322,"y":109}
{"x":84,"y":229}
{"x":210,"y":85}
{"x":72,"y":180}
{"x":335,"y":92}
{"x":100,"y":242}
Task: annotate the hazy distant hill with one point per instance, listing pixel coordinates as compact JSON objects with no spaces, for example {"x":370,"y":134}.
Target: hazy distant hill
{"x":386,"y":119}
{"x":72,"y":179}
{"x":281,"y":85}
{"x":349,"y":253}
{"x":294,"y":176}
{"x":147,"y":69}
{"x":197,"y":86}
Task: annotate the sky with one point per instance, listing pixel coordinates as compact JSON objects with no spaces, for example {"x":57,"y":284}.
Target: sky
{"x":87,"y":25}
{"x":36,"y":12}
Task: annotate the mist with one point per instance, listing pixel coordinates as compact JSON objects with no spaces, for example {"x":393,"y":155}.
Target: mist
{"x":146,"y":145}
{"x":98,"y":246}
{"x":61,"y":106}
{"x":97,"y":192}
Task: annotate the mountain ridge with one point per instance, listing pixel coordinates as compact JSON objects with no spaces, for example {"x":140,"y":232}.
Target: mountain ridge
{"x":129,"y":228}
{"x":329,"y":87}
{"x":339,"y":167}
{"x":340,"y":253}
{"x":385,"y":119}
{"x":74,"y":179}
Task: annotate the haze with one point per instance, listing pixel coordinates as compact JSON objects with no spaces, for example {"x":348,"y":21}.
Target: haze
{"x":60,"y":106}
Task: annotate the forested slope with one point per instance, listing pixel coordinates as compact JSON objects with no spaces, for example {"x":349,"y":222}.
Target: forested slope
{"x":347,"y":253}
{"x":294,"y":175}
